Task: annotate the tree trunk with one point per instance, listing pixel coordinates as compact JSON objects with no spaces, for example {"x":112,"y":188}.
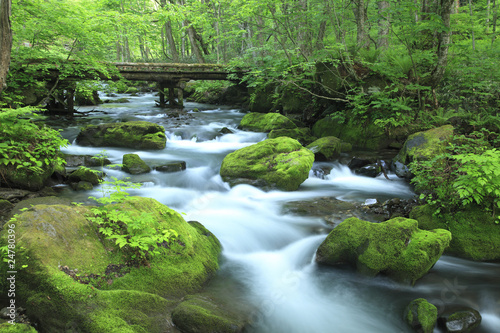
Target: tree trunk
{"x":361,"y":16}
{"x":383,"y":24}
{"x":171,"y":42}
{"x":304,"y":36}
{"x":444,"y":39}
{"x":5,"y":41}
{"x":194,"y":45}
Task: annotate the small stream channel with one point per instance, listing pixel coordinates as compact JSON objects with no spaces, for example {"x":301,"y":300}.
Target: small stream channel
{"x":267,"y":265}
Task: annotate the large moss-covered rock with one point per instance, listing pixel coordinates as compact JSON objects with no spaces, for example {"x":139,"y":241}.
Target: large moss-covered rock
{"x":425,"y":145}
{"x":265,"y":122}
{"x":280,"y":162}
{"x":302,"y":134}
{"x":199,"y":314}
{"x":134,"y":165}
{"x":25,"y":179}
{"x":61,"y":247}
{"x":328,"y":148}
{"x":475,"y":235}
{"x":132,"y":134}
{"x":396,"y":248}
{"x":421,"y":315}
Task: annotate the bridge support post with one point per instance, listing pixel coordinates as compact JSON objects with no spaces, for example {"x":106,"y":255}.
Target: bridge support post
{"x":180,"y":92}
{"x":161,"y":94}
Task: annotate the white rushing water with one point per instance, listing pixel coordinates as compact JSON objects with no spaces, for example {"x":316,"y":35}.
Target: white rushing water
{"x":270,"y":254}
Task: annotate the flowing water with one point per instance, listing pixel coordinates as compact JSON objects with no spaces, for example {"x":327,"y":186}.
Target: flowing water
{"x":267,"y":264}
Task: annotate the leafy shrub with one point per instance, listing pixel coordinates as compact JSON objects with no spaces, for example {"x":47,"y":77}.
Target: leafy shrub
{"x":468,"y":172}
{"x":26,"y":145}
{"x":139,"y":236}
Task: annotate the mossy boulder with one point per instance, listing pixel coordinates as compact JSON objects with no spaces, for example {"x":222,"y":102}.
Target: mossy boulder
{"x":265,"y":122}
{"x":421,"y":315}
{"x":369,"y":137}
{"x":84,"y":174}
{"x":425,"y":145}
{"x":328,"y":148}
{"x":280,"y":162}
{"x":25,"y":179}
{"x":131,"y":134}
{"x":134,"y":165}
{"x":396,"y":248}
{"x":475,"y":235}
{"x":302,"y":134}
{"x":52,"y":241}
{"x":199,"y":314}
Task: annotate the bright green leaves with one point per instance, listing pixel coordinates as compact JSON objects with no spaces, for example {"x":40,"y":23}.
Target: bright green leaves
{"x":479,"y":178}
{"x":139,"y":236}
{"x":468,"y":173}
{"x":27,"y":145}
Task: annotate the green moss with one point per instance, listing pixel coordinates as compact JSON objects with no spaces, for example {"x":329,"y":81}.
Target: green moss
{"x":186,"y":265}
{"x":25,"y":179}
{"x":132,"y":134}
{"x":17,"y":328}
{"x":133,"y":164}
{"x":328,"y":148}
{"x":280,"y":162}
{"x":396,"y":247}
{"x":200,"y":314}
{"x":425,"y":145}
{"x":475,"y":235}
{"x":421,"y":315}
{"x":265,"y":122}
{"x":303,"y":134}
{"x":84,"y":174}
{"x":49,"y":238}
{"x":358,"y":135}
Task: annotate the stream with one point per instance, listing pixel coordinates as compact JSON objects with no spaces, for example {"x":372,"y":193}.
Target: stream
{"x":267,"y":265}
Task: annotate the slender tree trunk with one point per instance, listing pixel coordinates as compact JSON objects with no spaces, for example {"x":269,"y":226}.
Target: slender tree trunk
{"x":183,"y":44}
{"x":194,"y":43}
{"x":383,"y":24}
{"x":170,"y":37}
{"x":488,"y":10}
{"x":444,"y":40}
{"x":5,"y":41}
{"x":361,"y":16}
{"x":321,"y":35}
{"x":304,"y":36}
{"x":171,"y":42}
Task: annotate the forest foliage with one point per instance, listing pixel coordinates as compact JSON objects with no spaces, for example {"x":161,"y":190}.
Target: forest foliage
{"x":407,"y":65}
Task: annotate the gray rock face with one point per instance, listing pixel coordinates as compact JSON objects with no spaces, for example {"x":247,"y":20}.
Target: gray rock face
{"x":173,"y":166}
{"x":461,"y":321}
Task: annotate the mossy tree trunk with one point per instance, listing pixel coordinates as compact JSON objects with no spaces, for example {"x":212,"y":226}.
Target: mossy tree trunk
{"x":5,"y":41}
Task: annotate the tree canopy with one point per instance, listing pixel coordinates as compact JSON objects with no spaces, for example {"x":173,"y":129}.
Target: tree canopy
{"x":430,"y":54}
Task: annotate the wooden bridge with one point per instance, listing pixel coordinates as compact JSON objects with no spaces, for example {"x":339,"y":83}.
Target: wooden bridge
{"x":171,"y":77}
